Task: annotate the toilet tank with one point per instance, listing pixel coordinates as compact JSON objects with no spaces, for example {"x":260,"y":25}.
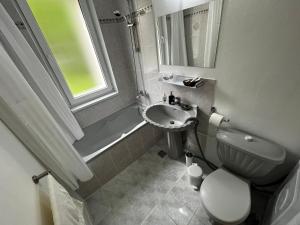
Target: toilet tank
{"x":247,"y":155}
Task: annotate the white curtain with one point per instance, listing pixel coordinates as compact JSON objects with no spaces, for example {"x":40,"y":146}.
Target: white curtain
{"x":31,"y":121}
{"x":38,"y":78}
{"x":195,"y":21}
{"x":178,"y":46}
{"x":163,"y":41}
{"x":213,"y":24}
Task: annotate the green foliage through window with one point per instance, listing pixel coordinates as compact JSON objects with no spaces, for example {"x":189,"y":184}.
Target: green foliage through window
{"x":64,"y":28}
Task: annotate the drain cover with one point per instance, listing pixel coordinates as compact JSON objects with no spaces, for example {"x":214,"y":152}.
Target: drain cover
{"x":162,"y":154}
{"x":172,"y":122}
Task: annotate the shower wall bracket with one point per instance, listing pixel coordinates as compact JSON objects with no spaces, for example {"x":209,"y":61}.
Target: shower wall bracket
{"x":36,"y":178}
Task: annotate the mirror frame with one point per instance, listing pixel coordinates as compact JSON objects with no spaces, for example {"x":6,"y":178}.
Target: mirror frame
{"x":181,"y":5}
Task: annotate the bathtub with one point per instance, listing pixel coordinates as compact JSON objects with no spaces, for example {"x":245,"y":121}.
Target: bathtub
{"x":113,"y":143}
{"x":105,"y":133}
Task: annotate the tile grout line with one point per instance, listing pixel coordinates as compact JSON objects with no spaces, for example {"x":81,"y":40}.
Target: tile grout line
{"x":194,"y":213}
{"x":168,"y":192}
{"x":148,"y":215}
{"x":171,"y":219}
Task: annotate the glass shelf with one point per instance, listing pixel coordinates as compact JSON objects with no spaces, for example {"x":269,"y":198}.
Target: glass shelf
{"x":178,"y":80}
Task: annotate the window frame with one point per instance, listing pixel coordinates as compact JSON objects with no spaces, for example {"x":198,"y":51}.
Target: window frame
{"x":91,"y":20}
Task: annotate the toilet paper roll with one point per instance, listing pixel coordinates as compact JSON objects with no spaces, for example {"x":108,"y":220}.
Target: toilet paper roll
{"x":215,"y":122}
{"x":216,"y":119}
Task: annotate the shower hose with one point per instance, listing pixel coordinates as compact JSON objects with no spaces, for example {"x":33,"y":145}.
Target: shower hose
{"x":202,"y":156}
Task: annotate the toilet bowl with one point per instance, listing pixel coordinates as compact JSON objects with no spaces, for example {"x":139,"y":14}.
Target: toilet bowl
{"x":225,"y":193}
{"x":225,"y":197}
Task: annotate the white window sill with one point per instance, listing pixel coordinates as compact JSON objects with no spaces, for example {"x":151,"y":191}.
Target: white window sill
{"x":94,"y":101}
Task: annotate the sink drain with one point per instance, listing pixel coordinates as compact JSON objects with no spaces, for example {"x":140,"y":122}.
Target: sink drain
{"x":172,"y":122}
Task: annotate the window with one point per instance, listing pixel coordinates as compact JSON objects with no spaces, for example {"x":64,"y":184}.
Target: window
{"x":67,"y":31}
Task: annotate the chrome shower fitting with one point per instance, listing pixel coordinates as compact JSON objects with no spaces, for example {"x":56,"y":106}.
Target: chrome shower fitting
{"x":142,"y":93}
{"x":117,"y":13}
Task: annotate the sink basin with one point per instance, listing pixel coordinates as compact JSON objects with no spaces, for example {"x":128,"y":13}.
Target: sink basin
{"x":169,"y":117}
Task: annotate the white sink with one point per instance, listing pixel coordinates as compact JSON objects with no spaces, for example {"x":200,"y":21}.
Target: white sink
{"x":169,"y":117}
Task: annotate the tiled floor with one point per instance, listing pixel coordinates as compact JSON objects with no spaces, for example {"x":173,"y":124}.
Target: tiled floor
{"x":151,"y":191}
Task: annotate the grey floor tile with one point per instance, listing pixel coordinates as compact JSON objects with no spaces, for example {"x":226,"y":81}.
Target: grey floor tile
{"x":117,"y":218}
{"x":130,"y":176}
{"x":107,"y":221}
{"x":185,"y":193}
{"x":97,"y":209}
{"x":118,"y":186}
{"x":152,"y":190}
{"x":158,"y":217}
{"x":200,"y":218}
{"x":143,"y":167}
{"x":176,"y":210}
{"x":158,"y":183}
{"x":110,"y":199}
{"x":134,"y":207}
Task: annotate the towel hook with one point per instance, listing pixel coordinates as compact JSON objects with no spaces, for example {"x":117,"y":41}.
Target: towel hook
{"x":37,"y":178}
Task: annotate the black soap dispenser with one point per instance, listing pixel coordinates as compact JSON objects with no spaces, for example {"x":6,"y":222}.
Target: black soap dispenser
{"x":171,"y":99}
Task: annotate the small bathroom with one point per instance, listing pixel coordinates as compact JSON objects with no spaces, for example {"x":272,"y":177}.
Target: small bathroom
{"x":149,"y":112}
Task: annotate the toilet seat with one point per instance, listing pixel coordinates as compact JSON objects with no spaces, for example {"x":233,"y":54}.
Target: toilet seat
{"x":225,"y":197}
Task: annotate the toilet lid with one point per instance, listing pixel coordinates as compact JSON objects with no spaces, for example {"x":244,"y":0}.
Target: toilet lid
{"x":226,"y":197}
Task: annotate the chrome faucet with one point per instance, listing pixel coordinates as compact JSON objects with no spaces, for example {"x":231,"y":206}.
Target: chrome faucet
{"x":141,"y":93}
{"x":183,"y":106}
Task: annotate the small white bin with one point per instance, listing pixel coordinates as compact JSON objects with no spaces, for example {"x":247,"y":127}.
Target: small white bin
{"x":195,"y":174}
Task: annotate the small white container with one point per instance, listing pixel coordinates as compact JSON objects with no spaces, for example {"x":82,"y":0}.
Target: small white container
{"x":195,"y":174}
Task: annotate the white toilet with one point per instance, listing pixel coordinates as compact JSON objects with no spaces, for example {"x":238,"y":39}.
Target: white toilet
{"x":225,"y":193}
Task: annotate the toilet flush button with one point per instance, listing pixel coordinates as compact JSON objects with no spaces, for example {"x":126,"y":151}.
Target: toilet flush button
{"x":249,"y":138}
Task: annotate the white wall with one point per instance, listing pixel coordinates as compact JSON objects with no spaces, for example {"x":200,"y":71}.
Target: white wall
{"x":257,"y":69}
{"x":21,"y":201}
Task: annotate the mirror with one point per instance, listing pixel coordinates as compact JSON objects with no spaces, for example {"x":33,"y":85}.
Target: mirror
{"x":188,"y":36}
